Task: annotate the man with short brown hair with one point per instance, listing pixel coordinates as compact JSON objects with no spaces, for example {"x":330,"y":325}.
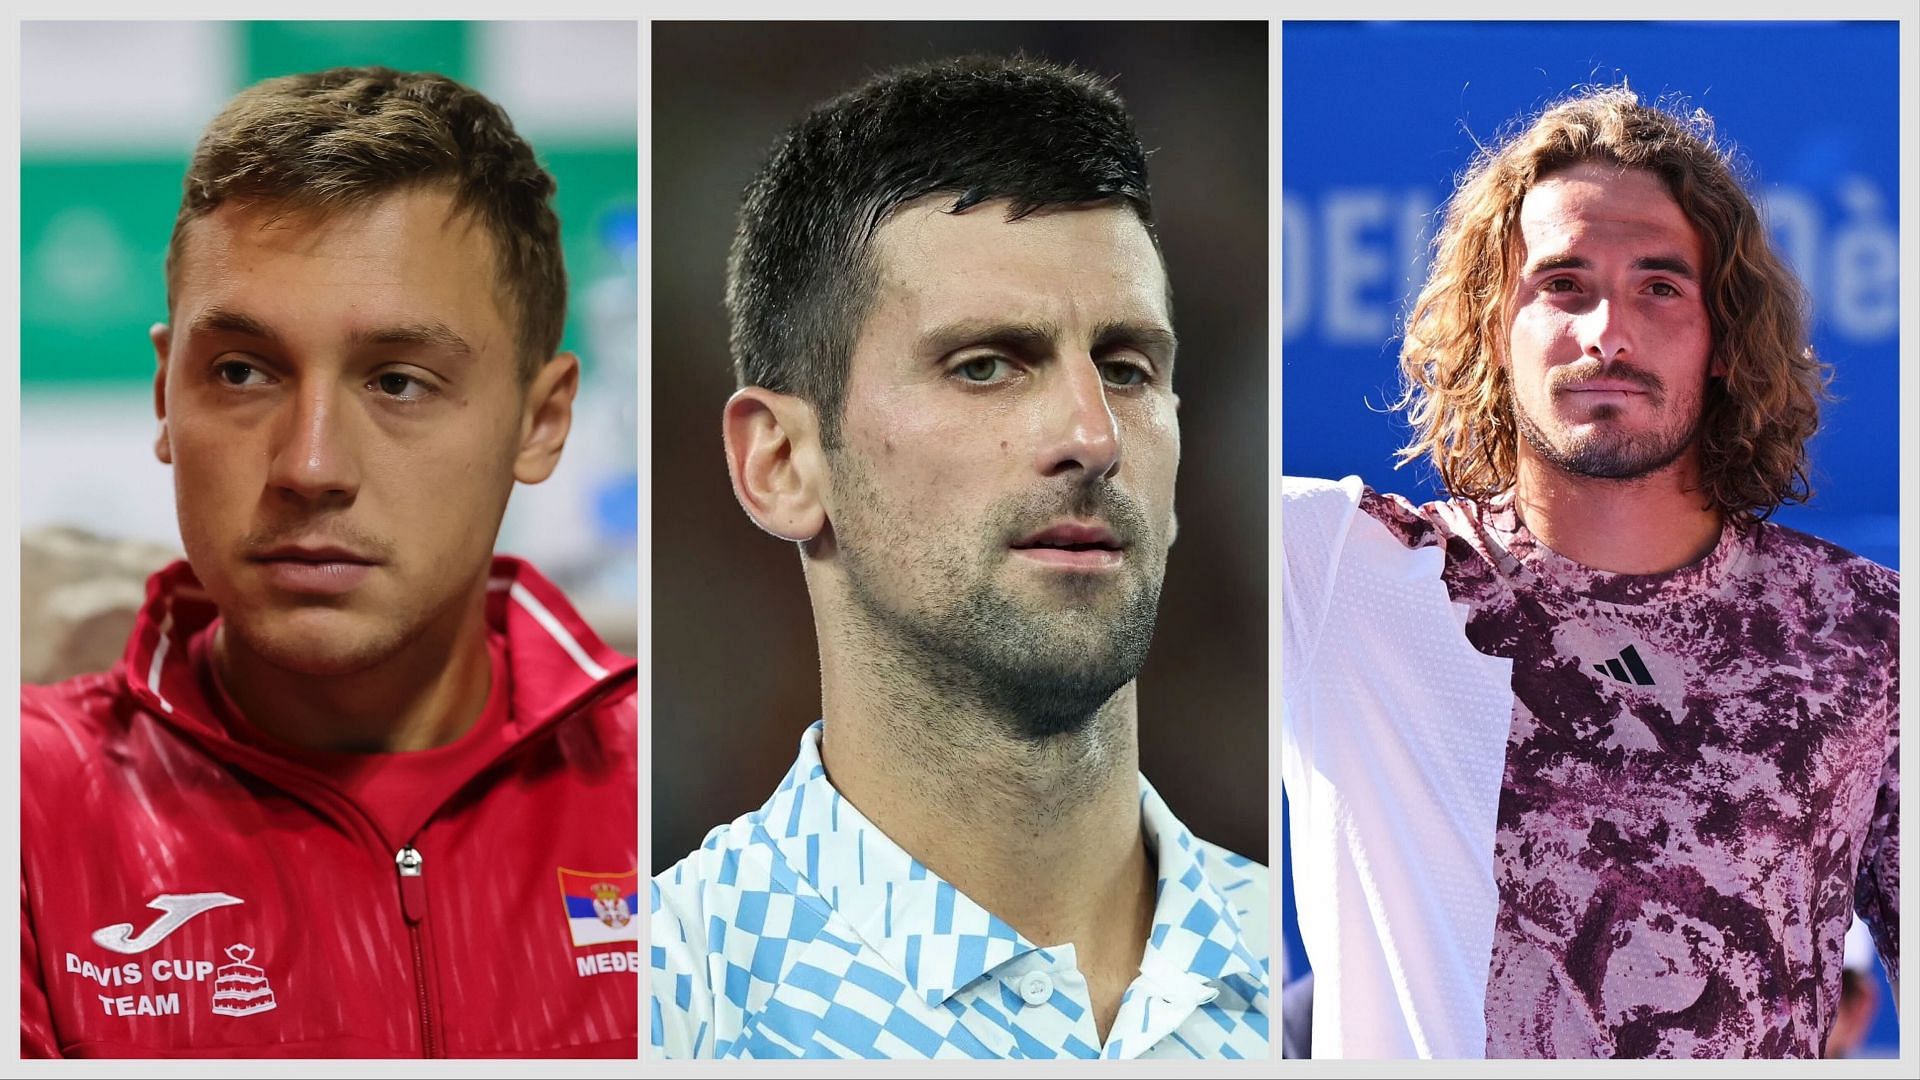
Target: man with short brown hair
{"x":359,"y":787}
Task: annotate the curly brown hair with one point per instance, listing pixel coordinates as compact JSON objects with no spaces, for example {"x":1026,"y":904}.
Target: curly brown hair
{"x":1756,"y":419}
{"x":332,"y":139}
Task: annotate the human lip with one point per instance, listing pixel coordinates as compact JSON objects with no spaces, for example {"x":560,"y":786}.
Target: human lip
{"x":1603,"y":386}
{"x":1073,"y":545}
{"x":314,"y":553}
{"x":315,"y":569}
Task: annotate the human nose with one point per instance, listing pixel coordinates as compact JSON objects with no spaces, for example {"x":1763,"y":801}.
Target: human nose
{"x":313,"y":454}
{"x":1081,"y":435}
{"x":1604,"y":330}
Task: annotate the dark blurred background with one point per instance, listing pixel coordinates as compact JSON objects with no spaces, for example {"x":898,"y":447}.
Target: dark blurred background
{"x":1379,"y":118}
{"x":735,"y":671}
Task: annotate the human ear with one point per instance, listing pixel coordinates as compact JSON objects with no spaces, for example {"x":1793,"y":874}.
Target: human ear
{"x":774,"y":460}
{"x":546,"y":417}
{"x":162,"y":337}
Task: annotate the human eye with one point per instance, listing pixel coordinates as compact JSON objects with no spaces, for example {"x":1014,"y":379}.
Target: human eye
{"x":1560,"y":285}
{"x":239,"y":373}
{"x":1663,"y":288}
{"x":400,"y":387}
{"x":1123,"y":373}
{"x":983,"y":370}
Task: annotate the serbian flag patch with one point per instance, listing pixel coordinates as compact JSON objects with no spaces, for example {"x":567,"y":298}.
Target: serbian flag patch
{"x":601,"y":907}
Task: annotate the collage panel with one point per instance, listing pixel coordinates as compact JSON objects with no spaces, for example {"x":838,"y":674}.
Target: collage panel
{"x":328,"y":726}
{"x":1590,"y":737}
{"x":916,"y":292}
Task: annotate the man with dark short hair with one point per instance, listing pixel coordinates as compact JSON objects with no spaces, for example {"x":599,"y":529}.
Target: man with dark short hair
{"x":953,"y":337}
{"x":358,"y":787}
{"x":1590,"y":759}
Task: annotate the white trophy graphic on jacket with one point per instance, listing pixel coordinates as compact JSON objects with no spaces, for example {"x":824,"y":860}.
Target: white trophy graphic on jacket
{"x":240,"y":988}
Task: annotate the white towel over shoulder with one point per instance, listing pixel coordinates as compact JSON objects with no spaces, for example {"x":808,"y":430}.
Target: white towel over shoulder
{"x":1393,"y":742}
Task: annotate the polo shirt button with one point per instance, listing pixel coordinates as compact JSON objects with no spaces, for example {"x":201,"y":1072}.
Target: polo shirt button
{"x":1036,"y":988}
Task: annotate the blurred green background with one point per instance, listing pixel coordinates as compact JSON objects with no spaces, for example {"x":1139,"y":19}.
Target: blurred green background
{"x":110,"y":112}
{"x":95,"y":212}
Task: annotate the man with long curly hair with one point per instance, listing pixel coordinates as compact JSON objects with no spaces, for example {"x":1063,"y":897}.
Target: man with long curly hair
{"x":1591,"y":759}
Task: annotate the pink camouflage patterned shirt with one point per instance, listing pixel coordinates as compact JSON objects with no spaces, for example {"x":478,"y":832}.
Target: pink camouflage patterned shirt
{"x":1701,"y":785}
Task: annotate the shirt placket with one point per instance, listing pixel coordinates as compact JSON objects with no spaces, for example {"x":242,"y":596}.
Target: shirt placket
{"x":1155,"y":1006}
{"x":1046,"y":1001}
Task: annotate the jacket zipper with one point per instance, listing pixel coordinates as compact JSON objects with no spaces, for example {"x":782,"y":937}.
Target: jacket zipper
{"x":413,"y":895}
{"x":413,"y":901}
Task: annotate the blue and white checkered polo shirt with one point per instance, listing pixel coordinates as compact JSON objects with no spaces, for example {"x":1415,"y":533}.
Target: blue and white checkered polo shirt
{"x":800,"y":930}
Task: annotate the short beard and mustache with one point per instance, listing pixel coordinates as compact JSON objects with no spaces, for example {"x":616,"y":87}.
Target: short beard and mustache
{"x":1603,"y":456}
{"x":1039,"y":673}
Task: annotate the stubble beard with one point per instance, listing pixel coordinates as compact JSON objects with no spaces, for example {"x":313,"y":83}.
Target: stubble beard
{"x":1605,"y":455}
{"x":338,"y":642}
{"x":312,"y":636}
{"x":1039,"y":674}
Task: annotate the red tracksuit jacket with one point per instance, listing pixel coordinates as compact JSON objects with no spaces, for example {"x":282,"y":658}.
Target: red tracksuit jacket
{"x":184,"y":893}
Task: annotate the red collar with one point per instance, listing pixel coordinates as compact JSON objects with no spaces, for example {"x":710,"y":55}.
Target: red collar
{"x":557,"y":662}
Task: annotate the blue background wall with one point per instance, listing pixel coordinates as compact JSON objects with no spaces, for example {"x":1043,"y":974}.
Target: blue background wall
{"x":1379,"y":119}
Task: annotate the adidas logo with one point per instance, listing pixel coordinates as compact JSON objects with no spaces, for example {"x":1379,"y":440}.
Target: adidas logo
{"x":1627,"y":668}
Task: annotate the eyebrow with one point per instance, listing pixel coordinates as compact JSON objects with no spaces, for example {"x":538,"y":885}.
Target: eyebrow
{"x":1030,"y":337}
{"x":224,"y":320}
{"x":435,"y":334}
{"x":430,"y":333}
{"x":1147,"y":337}
{"x":1668,"y":264}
